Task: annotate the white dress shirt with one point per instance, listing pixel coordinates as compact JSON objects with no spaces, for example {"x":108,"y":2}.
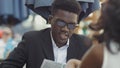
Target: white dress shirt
{"x":60,"y":54}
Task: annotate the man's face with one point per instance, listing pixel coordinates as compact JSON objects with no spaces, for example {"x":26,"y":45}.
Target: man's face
{"x":63,"y":24}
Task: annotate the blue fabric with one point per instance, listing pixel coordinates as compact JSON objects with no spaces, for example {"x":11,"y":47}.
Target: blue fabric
{"x":42,"y":8}
{"x":9,"y":47}
{"x":89,"y":8}
{"x":16,"y":8}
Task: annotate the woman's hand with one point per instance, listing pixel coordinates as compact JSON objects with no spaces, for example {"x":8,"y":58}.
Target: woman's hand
{"x":73,"y":63}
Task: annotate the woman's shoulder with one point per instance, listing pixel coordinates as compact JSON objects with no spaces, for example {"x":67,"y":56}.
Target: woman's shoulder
{"x":98,"y":50}
{"x":94,"y":57}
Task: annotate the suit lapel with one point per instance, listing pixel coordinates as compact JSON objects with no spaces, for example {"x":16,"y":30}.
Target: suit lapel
{"x":74,"y":49}
{"x":47,"y":47}
{"x":71,"y":51}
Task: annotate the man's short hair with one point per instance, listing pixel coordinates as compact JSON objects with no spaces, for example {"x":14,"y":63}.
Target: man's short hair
{"x":67,"y":5}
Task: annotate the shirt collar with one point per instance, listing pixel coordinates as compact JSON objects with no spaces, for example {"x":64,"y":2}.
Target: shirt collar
{"x":54,"y":44}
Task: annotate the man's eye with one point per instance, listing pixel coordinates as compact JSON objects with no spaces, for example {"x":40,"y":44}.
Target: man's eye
{"x":60,"y":23}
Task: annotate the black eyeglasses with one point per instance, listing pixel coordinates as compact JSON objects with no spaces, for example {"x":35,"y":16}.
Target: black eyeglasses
{"x":70,"y":26}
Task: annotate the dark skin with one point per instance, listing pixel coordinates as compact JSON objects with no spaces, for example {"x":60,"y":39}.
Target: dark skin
{"x":92,"y":59}
{"x":62,"y":34}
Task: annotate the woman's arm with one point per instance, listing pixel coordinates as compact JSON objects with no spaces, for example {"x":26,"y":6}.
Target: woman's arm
{"x":93,"y":58}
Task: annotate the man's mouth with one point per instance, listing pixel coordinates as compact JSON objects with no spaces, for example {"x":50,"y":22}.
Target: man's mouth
{"x":64,"y":35}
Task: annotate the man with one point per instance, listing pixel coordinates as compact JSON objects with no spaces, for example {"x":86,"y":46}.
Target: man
{"x":58,"y":43}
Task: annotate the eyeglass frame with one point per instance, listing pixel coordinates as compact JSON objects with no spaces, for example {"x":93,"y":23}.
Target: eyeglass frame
{"x":63,"y":24}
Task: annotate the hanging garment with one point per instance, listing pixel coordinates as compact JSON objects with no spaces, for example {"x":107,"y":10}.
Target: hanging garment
{"x":42,"y":7}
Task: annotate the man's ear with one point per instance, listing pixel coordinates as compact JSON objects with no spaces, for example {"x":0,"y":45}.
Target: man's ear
{"x":50,"y":19}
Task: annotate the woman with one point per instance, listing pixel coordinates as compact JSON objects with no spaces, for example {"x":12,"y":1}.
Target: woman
{"x":107,"y":53}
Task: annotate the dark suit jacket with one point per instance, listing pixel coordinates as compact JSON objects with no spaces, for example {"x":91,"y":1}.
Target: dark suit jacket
{"x":36,"y":46}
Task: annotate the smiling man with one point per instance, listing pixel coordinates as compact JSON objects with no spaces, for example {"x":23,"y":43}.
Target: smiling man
{"x":58,"y":43}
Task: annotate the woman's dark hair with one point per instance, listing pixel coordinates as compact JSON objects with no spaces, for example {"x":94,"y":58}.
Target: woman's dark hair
{"x":111,"y":21}
{"x":68,"y":5}
{"x":113,"y":25}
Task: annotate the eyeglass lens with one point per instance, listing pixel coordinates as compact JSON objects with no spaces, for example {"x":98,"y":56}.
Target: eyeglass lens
{"x":63,"y":24}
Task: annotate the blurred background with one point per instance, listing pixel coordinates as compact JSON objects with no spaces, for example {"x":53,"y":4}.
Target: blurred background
{"x":20,"y":16}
